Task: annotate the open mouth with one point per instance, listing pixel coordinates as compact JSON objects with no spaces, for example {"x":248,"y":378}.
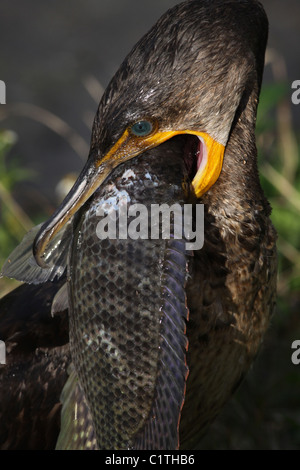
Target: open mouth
{"x":194,"y":154}
{"x":202,"y":155}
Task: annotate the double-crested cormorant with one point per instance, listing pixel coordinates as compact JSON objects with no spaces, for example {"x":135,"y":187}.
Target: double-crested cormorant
{"x":182,"y":107}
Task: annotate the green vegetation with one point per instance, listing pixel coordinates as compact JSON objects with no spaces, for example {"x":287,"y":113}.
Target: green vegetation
{"x":278,"y":147}
{"x":14,"y":222}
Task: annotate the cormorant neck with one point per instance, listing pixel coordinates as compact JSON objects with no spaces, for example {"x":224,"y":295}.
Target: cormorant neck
{"x":238,"y":186}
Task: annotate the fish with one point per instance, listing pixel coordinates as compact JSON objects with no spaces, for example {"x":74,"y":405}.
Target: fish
{"x":162,"y":333}
{"x":127,"y":308}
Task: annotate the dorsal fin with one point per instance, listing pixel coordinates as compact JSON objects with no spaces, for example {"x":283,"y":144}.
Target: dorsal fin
{"x":161,"y":430}
{"x":60,"y":301}
{"x":21,"y":265}
{"x":77,"y":431}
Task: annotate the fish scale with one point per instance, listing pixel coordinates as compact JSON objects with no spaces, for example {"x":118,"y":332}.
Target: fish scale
{"x":128,"y":305}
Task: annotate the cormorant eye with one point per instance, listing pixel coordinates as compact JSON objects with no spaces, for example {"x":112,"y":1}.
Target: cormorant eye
{"x":141,"y":128}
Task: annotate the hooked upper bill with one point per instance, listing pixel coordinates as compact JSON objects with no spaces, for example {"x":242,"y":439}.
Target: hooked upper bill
{"x":209,"y":164}
{"x":209,"y":157}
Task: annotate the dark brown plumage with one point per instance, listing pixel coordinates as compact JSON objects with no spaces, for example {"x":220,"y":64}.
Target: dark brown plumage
{"x":197,"y":73}
{"x":36,"y":369}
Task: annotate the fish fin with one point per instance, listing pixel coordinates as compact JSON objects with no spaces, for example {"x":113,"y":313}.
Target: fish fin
{"x":77,"y":430}
{"x":60,"y":301}
{"x":21,"y":264}
{"x":161,"y":430}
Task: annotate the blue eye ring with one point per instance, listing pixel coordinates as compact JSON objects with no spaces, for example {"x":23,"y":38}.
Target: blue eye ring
{"x":142,"y":128}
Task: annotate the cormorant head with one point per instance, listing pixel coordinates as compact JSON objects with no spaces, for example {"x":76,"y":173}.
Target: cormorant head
{"x":188,"y":75}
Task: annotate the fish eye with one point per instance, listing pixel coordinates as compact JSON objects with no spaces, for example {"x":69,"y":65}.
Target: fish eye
{"x":141,"y":128}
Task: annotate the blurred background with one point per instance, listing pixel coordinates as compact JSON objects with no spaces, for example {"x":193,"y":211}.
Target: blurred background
{"x":56,"y":58}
